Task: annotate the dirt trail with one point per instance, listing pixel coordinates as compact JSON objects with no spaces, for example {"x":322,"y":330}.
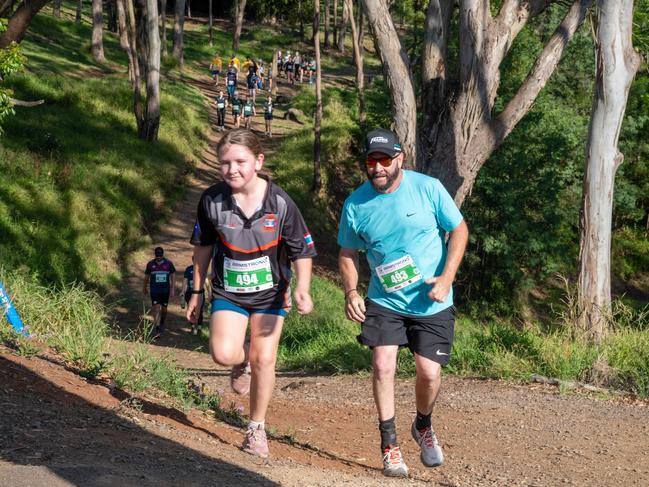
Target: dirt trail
{"x":59,"y":430}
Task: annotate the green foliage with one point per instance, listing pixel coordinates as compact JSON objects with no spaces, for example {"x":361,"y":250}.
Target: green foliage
{"x":11,"y":61}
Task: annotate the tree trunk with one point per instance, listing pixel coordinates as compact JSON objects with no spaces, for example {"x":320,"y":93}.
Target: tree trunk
{"x":360,"y":25}
{"x":211,"y":24}
{"x":189,"y":9}
{"x":240,"y":8}
{"x":112,"y":15}
{"x":163,"y":22}
{"x":56,"y":9}
{"x":179,"y":26}
{"x":396,"y":69}
{"x":317,"y":143}
{"x":151,"y":122}
{"x":617,"y":63}
{"x":19,"y":22}
{"x":77,"y":18}
{"x":358,"y":61}
{"x":300,"y":17}
{"x":335,"y":21}
{"x":342,"y":30}
{"x":128,"y":41}
{"x":327,"y":22}
{"x":97,"y":47}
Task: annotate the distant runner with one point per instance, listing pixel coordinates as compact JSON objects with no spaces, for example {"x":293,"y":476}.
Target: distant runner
{"x":231,"y":81}
{"x":248,"y":112}
{"x":253,"y":232}
{"x":268,"y":115}
{"x":221,"y":103}
{"x":188,"y":287}
{"x":215,"y":69}
{"x":237,"y":106}
{"x":159,"y":278}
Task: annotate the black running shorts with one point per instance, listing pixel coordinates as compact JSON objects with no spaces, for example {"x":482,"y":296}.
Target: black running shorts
{"x":160,"y":298}
{"x":429,"y":336}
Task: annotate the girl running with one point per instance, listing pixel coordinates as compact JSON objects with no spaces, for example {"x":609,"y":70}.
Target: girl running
{"x":253,"y":231}
{"x":268,"y":115}
{"x":248,"y":112}
{"x":221,"y":104}
{"x":237,"y":105}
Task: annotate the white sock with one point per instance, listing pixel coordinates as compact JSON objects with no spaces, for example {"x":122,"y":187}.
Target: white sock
{"x":256,"y":425}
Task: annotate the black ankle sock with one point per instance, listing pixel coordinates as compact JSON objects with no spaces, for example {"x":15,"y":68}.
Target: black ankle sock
{"x":388,"y":433}
{"x":422,"y":421}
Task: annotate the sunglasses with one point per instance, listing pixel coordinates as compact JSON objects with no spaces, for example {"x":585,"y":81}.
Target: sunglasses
{"x":385,"y":161}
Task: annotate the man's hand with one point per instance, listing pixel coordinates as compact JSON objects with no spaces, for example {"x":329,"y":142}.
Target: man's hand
{"x":354,"y":307}
{"x":441,"y":288}
{"x":303,"y":301}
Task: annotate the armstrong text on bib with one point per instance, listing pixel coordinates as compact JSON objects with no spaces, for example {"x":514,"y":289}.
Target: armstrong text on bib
{"x":398,"y":274}
{"x":247,"y":276}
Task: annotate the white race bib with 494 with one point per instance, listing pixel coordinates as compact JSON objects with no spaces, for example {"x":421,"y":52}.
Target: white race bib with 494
{"x":398,"y":274}
{"x":247,"y":276}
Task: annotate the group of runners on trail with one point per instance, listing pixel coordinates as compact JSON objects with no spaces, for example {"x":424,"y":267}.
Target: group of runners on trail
{"x":295,"y":67}
{"x":253,"y":234}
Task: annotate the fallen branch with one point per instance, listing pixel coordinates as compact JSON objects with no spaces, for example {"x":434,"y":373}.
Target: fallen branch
{"x":572,"y":384}
{"x":22,"y":103}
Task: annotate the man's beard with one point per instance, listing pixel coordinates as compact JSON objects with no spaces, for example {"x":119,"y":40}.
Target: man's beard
{"x":390,"y":179}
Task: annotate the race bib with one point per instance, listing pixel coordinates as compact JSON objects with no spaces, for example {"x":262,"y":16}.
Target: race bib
{"x":247,"y":276}
{"x":220,"y":105}
{"x":398,"y":274}
{"x":230,"y":82}
{"x":161,"y":278}
{"x":247,"y":110}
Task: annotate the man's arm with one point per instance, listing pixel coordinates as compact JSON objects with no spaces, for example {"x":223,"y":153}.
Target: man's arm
{"x":172,"y":281}
{"x":458,"y":239}
{"x":348,"y":266}
{"x":145,"y":286}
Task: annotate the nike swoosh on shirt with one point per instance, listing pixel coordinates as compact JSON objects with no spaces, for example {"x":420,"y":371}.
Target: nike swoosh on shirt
{"x":410,"y":214}
{"x":440,"y":353}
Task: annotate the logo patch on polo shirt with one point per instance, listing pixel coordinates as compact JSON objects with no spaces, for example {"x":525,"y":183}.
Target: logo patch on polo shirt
{"x":269,"y":223}
{"x":308,"y":239}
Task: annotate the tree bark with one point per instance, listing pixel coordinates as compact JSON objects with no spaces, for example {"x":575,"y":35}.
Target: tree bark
{"x":317,"y":143}
{"x":396,"y":69}
{"x":97,"y":47}
{"x":189,"y":9}
{"x":240,"y":8}
{"x":327,"y":22}
{"x":211,"y":23}
{"x":56,"y":9}
{"x":77,"y":18}
{"x":358,"y":61}
{"x":151,"y":123}
{"x":335,"y":22}
{"x":163,"y":22}
{"x":360,"y":25}
{"x":273,"y":68}
{"x":19,"y":22}
{"x":179,"y":26}
{"x":112,"y":15}
{"x":617,"y":63}
{"x":300,"y":17}
{"x":342,"y":30}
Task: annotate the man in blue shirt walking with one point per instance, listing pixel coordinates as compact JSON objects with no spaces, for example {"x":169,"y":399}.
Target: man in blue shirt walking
{"x":401,"y":219}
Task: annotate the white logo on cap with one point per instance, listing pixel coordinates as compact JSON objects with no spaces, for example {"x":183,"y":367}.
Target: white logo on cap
{"x":379,"y":138}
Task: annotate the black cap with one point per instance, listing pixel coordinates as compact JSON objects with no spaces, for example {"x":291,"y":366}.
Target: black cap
{"x":159,"y":252}
{"x":382,"y":140}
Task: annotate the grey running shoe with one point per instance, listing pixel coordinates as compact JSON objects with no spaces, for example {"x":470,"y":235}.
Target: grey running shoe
{"x":255,"y":442}
{"x":240,"y":378}
{"x":393,"y":464}
{"x":431,"y":452}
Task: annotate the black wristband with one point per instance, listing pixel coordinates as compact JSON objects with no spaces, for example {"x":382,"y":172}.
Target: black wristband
{"x":197,"y":291}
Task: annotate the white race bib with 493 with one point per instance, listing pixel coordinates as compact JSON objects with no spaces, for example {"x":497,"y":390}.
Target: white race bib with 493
{"x":247,"y":276}
{"x":398,"y":274}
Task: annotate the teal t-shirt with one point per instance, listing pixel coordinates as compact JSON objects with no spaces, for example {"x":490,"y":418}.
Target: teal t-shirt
{"x":403,"y":234}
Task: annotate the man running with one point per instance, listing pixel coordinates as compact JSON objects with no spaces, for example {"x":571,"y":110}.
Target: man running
{"x":159,"y":278}
{"x":237,"y":106}
{"x":188,"y":287}
{"x":400,"y":219}
{"x":215,"y":69}
{"x":221,"y":104}
{"x":248,"y":112}
{"x":268,"y":115}
{"x":231,"y":81}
